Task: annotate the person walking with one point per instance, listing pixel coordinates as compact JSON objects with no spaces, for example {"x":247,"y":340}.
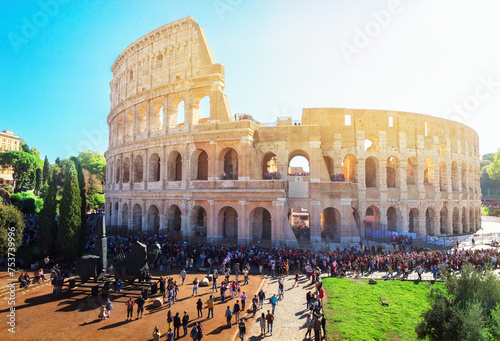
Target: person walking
{"x":185,"y":322}
{"x":229,"y":315}
{"x":130,"y":308}
{"x":323,"y":325}
{"x":243,"y":328}
{"x":177,"y":324}
{"x":236,"y":311}
{"x":210,"y":306}
{"x":170,"y":319}
{"x":156,"y":334}
{"x":296,"y":279}
{"x":262,"y":324}
{"x":199,"y":307}
{"x":183,"y":275}
{"x":140,"y":306}
{"x":270,"y":320}
{"x":274,"y":300}
{"x":262,"y":297}
{"x":255,"y":303}
{"x":243,"y":298}
{"x":109,"y":307}
{"x":196,"y":282}
{"x":170,"y":335}
{"x":317,"y":328}
{"x":308,"y":325}
{"x":214,"y":281}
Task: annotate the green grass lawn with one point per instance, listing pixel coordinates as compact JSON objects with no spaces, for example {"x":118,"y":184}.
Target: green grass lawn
{"x":355,"y":312}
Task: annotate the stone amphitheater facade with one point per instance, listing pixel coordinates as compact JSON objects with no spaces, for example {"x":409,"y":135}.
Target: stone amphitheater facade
{"x":207,"y":177}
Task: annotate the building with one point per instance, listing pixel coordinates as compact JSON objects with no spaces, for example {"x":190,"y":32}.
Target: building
{"x":8,"y":142}
{"x":208,"y":177}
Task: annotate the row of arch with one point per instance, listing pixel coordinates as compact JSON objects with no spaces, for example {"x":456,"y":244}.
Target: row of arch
{"x":178,"y":111}
{"x":135,"y":218}
{"x":463,"y":178}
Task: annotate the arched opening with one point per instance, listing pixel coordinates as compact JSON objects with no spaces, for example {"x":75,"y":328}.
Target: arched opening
{"x":129,"y":124}
{"x":392,"y":219}
{"x":464,"y":177}
{"x":174,"y":169}
{"x":465,"y":223}
{"x":230,"y":164}
{"x":472,"y":223}
{"x":174,"y":222}
{"x":414,"y":221}
{"x":200,"y":164}
{"x":140,"y":122}
{"x":371,"y":165}
{"x":299,"y":221}
{"x":154,"y":167}
{"x":138,"y":169}
{"x":117,"y":171}
{"x":137,"y":218}
{"x":471,"y":179}
{"x":443,"y":222}
{"x":110,"y":172}
{"x":429,"y":222}
{"x":156,"y":120}
{"x":372,"y":222}
{"x":370,"y":145}
{"x":120,"y":130}
{"x":203,"y":113}
{"x":228,"y":218}
{"x":443,"y":177}
{"x":180,"y":114}
{"x":456,"y":220}
{"x":392,"y":172}
{"x":349,"y":168}
{"x":429,"y":171}
{"x":411,"y":171}
{"x":125,"y":215}
{"x":153,"y":219}
{"x":126,"y":170}
{"x":199,"y":221}
{"x":270,"y":166}
{"x":260,"y":220}
{"x":330,"y":225}
{"x":115,"y":215}
{"x":454,"y":177}
{"x":329,"y":167}
{"x":298,"y":164}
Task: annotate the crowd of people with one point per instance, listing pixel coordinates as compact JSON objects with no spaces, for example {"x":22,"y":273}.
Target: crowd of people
{"x":337,"y":177}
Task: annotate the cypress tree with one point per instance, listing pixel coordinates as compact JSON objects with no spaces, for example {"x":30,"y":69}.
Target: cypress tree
{"x":46,"y":171}
{"x":83,"y":196}
{"x":47,"y":231}
{"x":70,"y":218}
{"x":38,"y":180}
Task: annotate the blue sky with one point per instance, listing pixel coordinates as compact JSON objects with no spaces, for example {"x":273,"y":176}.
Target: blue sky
{"x":432,"y":57}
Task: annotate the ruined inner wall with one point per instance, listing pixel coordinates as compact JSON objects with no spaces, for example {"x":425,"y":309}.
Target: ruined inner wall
{"x":206,"y":177}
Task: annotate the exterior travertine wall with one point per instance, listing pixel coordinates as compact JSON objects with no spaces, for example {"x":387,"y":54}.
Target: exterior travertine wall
{"x":421,"y":173}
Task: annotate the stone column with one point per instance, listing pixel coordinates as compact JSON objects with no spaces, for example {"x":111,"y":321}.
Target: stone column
{"x":316,"y":161}
{"x":420,"y":180}
{"x":404,"y":219}
{"x":144,"y":215}
{"x":213,"y":233}
{"x":450,"y":221}
{"x":162,"y":217}
{"x":212,"y":162}
{"x":315,"y":222}
{"x":244,"y":236}
{"x":401,"y":174}
{"x":130,"y":214}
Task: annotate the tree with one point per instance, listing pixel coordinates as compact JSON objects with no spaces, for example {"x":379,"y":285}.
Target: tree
{"x":94,"y":162}
{"x":70,"y":218}
{"x":47,"y":230}
{"x":468,"y":308}
{"x":5,"y":195}
{"x":25,"y":148}
{"x":11,"y":221}
{"x":38,"y":180}
{"x":494,"y":167}
{"x":46,"y":170}
{"x":83,"y":208}
{"x":24,"y":165}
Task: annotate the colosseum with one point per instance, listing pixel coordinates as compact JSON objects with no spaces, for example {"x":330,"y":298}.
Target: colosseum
{"x":221,"y":177}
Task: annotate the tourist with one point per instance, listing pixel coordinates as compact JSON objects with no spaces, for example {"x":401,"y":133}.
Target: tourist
{"x":242,"y":328}
{"x":199,"y":327}
{"x":297,"y":276}
{"x":196,"y":282}
{"x":156,"y":334}
{"x":308,"y":326}
{"x":274,"y":300}
{"x":262,"y":297}
{"x":255,"y":303}
{"x":102,"y":312}
{"x":270,"y":320}
{"x":281,"y":288}
{"x":323,"y":325}
{"x":119,"y":285}
{"x":130,"y":308}
{"x":199,"y":307}
{"x":170,"y":335}
{"x":170,"y":319}
{"x":214,"y":281}
{"x":177,"y":324}
{"x":229,"y":315}
{"x":109,"y":307}
{"x":210,"y":306}
{"x":140,"y":306}
{"x":317,"y":328}
{"x":262,"y":322}
{"x":243,"y":298}
{"x":185,"y":322}
{"x":236,"y":311}
{"x":183,"y":275}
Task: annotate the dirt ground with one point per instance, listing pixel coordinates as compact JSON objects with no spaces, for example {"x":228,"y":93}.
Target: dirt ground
{"x":40,"y":315}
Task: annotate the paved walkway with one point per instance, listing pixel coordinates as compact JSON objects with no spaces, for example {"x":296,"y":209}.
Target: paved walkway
{"x":290,"y":314}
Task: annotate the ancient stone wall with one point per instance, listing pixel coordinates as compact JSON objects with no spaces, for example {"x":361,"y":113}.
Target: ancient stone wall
{"x":219,"y":179}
